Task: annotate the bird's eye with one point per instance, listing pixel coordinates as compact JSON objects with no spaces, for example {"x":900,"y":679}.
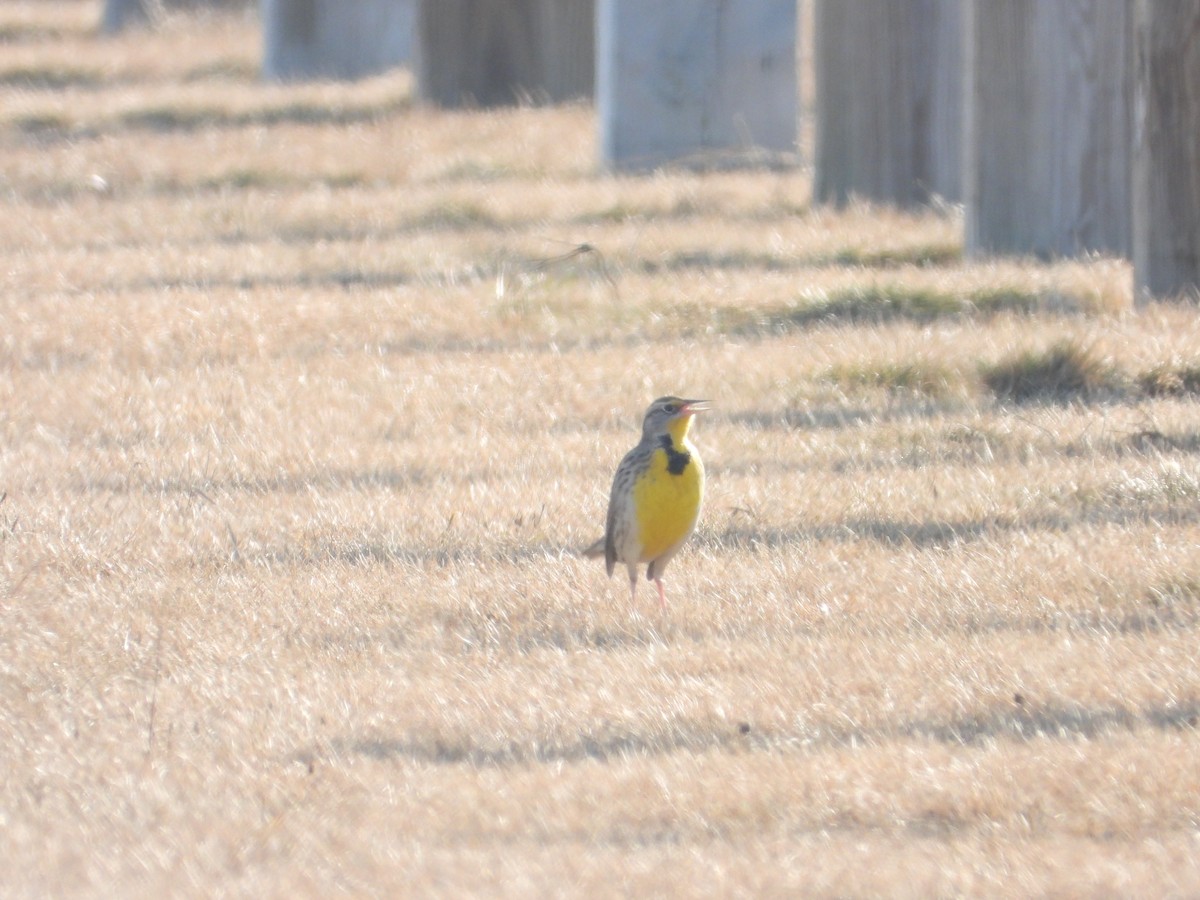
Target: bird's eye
{"x":672,"y":407}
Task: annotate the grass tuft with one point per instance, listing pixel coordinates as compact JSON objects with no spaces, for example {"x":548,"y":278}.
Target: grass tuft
{"x":1066,"y":371}
{"x":1168,"y":380}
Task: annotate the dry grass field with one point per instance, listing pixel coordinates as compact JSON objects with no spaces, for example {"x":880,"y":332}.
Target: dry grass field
{"x":306,"y":406}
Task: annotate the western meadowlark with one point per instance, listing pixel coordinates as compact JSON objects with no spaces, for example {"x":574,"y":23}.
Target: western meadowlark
{"x":656,"y":495}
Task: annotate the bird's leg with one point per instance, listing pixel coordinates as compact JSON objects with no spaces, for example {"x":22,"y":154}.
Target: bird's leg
{"x":633,"y":589}
{"x":662,"y":595}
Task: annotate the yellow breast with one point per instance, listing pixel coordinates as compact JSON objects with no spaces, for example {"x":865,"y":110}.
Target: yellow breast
{"x":667,"y":499}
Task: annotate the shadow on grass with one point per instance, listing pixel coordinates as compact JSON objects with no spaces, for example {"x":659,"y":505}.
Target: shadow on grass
{"x":50,"y":78}
{"x":348,"y":279}
{"x":1020,"y":723}
{"x":707,"y":260}
{"x":939,"y":534}
{"x":1066,"y":372}
{"x":387,"y":553}
{"x":329,"y":479}
{"x":922,"y":535}
{"x":1152,"y":440}
{"x":884,"y":304}
{"x":602,"y":747}
{"x":177,"y":119}
{"x":48,"y":127}
{"x":344,"y":280}
{"x":1160,"y":614}
{"x":843,"y":416}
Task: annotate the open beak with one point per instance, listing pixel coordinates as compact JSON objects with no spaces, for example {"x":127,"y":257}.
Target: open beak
{"x":694,"y":406}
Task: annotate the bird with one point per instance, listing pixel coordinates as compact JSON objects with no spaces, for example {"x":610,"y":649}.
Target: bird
{"x":656,"y":495}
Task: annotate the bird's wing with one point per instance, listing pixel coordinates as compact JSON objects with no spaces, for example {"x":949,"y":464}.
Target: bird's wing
{"x":610,"y":525}
{"x":622,"y":487}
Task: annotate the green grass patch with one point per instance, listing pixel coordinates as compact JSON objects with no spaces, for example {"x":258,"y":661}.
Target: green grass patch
{"x":884,"y":303}
{"x":48,"y":79}
{"x":452,"y":216}
{"x":870,"y":302}
{"x":485,"y":172}
{"x":893,"y":257}
{"x":248,"y":178}
{"x":993,"y":301}
{"x":346,"y":179}
{"x":237,"y":70}
{"x":866,"y":305}
{"x":873,"y":304}
{"x":170,"y":118}
{"x":1066,"y":371}
{"x":913,"y":377}
{"x":26,"y":33}
{"x":244,"y":179}
{"x":173,"y":118}
{"x":880,"y":304}
{"x":618,"y":212}
{"x":708,"y":260}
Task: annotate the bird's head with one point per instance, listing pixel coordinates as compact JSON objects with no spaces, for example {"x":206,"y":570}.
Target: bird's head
{"x":671,"y":415}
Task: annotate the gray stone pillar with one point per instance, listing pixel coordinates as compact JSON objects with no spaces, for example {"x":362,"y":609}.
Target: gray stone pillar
{"x":1166,"y":155}
{"x":120,"y":14}
{"x":889,"y":97}
{"x":500,"y":52}
{"x":339,"y":39}
{"x":680,"y":80}
{"x":1047,"y":159}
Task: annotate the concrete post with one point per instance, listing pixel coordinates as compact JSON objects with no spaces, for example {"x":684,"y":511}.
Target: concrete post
{"x":889,"y":97}
{"x":680,"y":80}
{"x":338,"y":39}
{"x":120,"y":14}
{"x":500,"y":52}
{"x":1047,"y":158}
{"x":1166,"y":154}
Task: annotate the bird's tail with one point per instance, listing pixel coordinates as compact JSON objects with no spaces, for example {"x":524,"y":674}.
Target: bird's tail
{"x":595,"y":551}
